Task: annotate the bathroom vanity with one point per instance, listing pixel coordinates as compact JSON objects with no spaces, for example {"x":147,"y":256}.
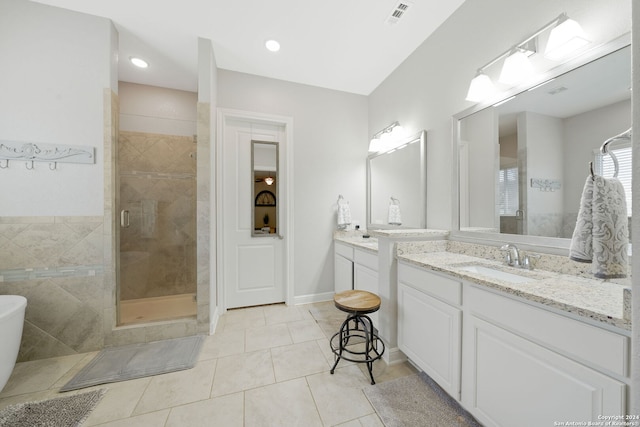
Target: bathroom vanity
{"x":356,"y":265}
{"x":514,"y":346}
{"x":370,"y":264}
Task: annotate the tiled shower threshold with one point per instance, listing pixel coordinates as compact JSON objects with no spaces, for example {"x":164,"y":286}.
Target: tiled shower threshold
{"x":145,"y":310}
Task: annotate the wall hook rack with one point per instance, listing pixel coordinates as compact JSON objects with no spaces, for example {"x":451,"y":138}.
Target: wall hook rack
{"x":50,"y":153}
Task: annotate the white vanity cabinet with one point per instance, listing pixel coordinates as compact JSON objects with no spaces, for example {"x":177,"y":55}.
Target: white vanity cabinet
{"x":343,"y":267}
{"x":430,"y":324}
{"x":526,"y":366}
{"x":365,"y":275}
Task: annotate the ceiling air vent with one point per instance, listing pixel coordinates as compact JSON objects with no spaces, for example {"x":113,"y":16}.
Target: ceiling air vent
{"x":398,"y":12}
{"x":557,"y":90}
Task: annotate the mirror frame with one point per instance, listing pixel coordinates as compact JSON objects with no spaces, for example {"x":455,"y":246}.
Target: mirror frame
{"x":421,"y":139}
{"x":253,"y":189}
{"x":554,"y":245}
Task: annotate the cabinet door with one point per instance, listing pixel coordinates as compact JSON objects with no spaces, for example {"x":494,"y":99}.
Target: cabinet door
{"x":366,"y":279}
{"x":508,"y":381}
{"x":429,"y":333}
{"x":343,"y":273}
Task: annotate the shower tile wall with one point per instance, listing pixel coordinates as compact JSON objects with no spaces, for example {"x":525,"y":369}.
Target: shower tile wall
{"x":57,"y":264}
{"x":158,"y":187}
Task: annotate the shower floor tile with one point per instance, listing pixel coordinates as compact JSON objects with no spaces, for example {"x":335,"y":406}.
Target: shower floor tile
{"x":157,"y":308}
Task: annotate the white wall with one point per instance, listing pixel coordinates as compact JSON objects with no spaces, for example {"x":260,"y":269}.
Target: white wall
{"x":430,"y":86}
{"x":330,"y":148}
{"x":159,"y":110}
{"x":635,"y":259}
{"x":56,"y":65}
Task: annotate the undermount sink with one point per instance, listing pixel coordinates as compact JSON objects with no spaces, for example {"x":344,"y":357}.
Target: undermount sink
{"x":496,"y":273}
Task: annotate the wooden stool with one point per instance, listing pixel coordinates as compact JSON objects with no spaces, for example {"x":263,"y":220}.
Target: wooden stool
{"x":358,"y":304}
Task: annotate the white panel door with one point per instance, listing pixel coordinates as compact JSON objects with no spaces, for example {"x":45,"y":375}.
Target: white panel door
{"x":253,"y":267}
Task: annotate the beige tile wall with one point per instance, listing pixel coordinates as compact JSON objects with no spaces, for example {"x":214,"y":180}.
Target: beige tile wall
{"x":57,"y":264}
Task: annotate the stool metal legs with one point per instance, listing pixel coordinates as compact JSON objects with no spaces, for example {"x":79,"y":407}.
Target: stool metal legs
{"x":340,"y":342}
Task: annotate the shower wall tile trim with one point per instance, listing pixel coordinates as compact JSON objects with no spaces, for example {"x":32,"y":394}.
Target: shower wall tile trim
{"x":19,"y":274}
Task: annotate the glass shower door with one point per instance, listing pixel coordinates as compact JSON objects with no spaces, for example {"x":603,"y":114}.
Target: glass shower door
{"x":157,"y":244}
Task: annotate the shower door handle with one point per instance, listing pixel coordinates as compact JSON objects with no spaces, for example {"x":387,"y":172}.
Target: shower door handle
{"x":124,"y":219}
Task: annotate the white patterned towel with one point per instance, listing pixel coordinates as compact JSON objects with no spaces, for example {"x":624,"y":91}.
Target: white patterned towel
{"x":610,"y":229}
{"x":344,"y":215}
{"x":601,"y":235}
{"x":394,"y":214}
{"x":581,"y":249}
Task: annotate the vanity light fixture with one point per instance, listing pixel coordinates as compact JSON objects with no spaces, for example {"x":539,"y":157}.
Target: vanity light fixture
{"x":387,"y":138}
{"x":138,"y":62}
{"x":516,"y":68}
{"x":481,"y":87}
{"x":565,"y":38}
{"x":268,"y":180}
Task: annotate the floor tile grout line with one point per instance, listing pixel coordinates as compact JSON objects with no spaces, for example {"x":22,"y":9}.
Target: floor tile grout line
{"x":313,"y":397}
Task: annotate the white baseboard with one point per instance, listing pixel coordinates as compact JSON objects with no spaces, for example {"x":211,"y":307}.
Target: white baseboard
{"x":308,"y":299}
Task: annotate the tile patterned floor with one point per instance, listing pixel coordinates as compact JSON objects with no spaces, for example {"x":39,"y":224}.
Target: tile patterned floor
{"x":264,"y":366}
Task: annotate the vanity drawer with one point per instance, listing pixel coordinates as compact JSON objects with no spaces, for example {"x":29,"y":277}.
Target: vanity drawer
{"x":344,"y":250}
{"x":594,"y":346}
{"x":444,"y":288}
{"x":366,"y":259}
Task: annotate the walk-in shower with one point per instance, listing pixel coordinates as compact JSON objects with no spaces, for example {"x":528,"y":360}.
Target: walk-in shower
{"x":157,"y":239}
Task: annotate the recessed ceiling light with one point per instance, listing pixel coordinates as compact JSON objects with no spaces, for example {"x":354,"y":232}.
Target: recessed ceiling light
{"x":272,"y":45}
{"x":138,"y":62}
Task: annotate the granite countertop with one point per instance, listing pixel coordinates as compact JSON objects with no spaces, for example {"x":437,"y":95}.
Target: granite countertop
{"x":355,"y":239}
{"x":600,"y":300}
{"x":410,"y":232}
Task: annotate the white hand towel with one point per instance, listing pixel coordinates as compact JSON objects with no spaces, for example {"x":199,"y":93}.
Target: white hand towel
{"x":394,"y":215}
{"x":344,"y":215}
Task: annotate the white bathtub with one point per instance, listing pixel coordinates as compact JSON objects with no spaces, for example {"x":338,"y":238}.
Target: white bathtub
{"x":12,"y":308}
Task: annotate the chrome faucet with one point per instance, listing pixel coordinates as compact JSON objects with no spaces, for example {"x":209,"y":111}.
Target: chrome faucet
{"x":515,"y":259}
{"x":512,"y":254}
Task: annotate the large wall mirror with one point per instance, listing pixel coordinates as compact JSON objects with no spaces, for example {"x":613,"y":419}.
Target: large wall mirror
{"x":264,"y":194}
{"x":522,"y":164}
{"x":397,"y":185}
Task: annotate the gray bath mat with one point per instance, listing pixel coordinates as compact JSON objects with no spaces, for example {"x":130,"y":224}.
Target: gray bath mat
{"x":417,"y":401}
{"x":138,"y":360}
{"x":62,"y":411}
